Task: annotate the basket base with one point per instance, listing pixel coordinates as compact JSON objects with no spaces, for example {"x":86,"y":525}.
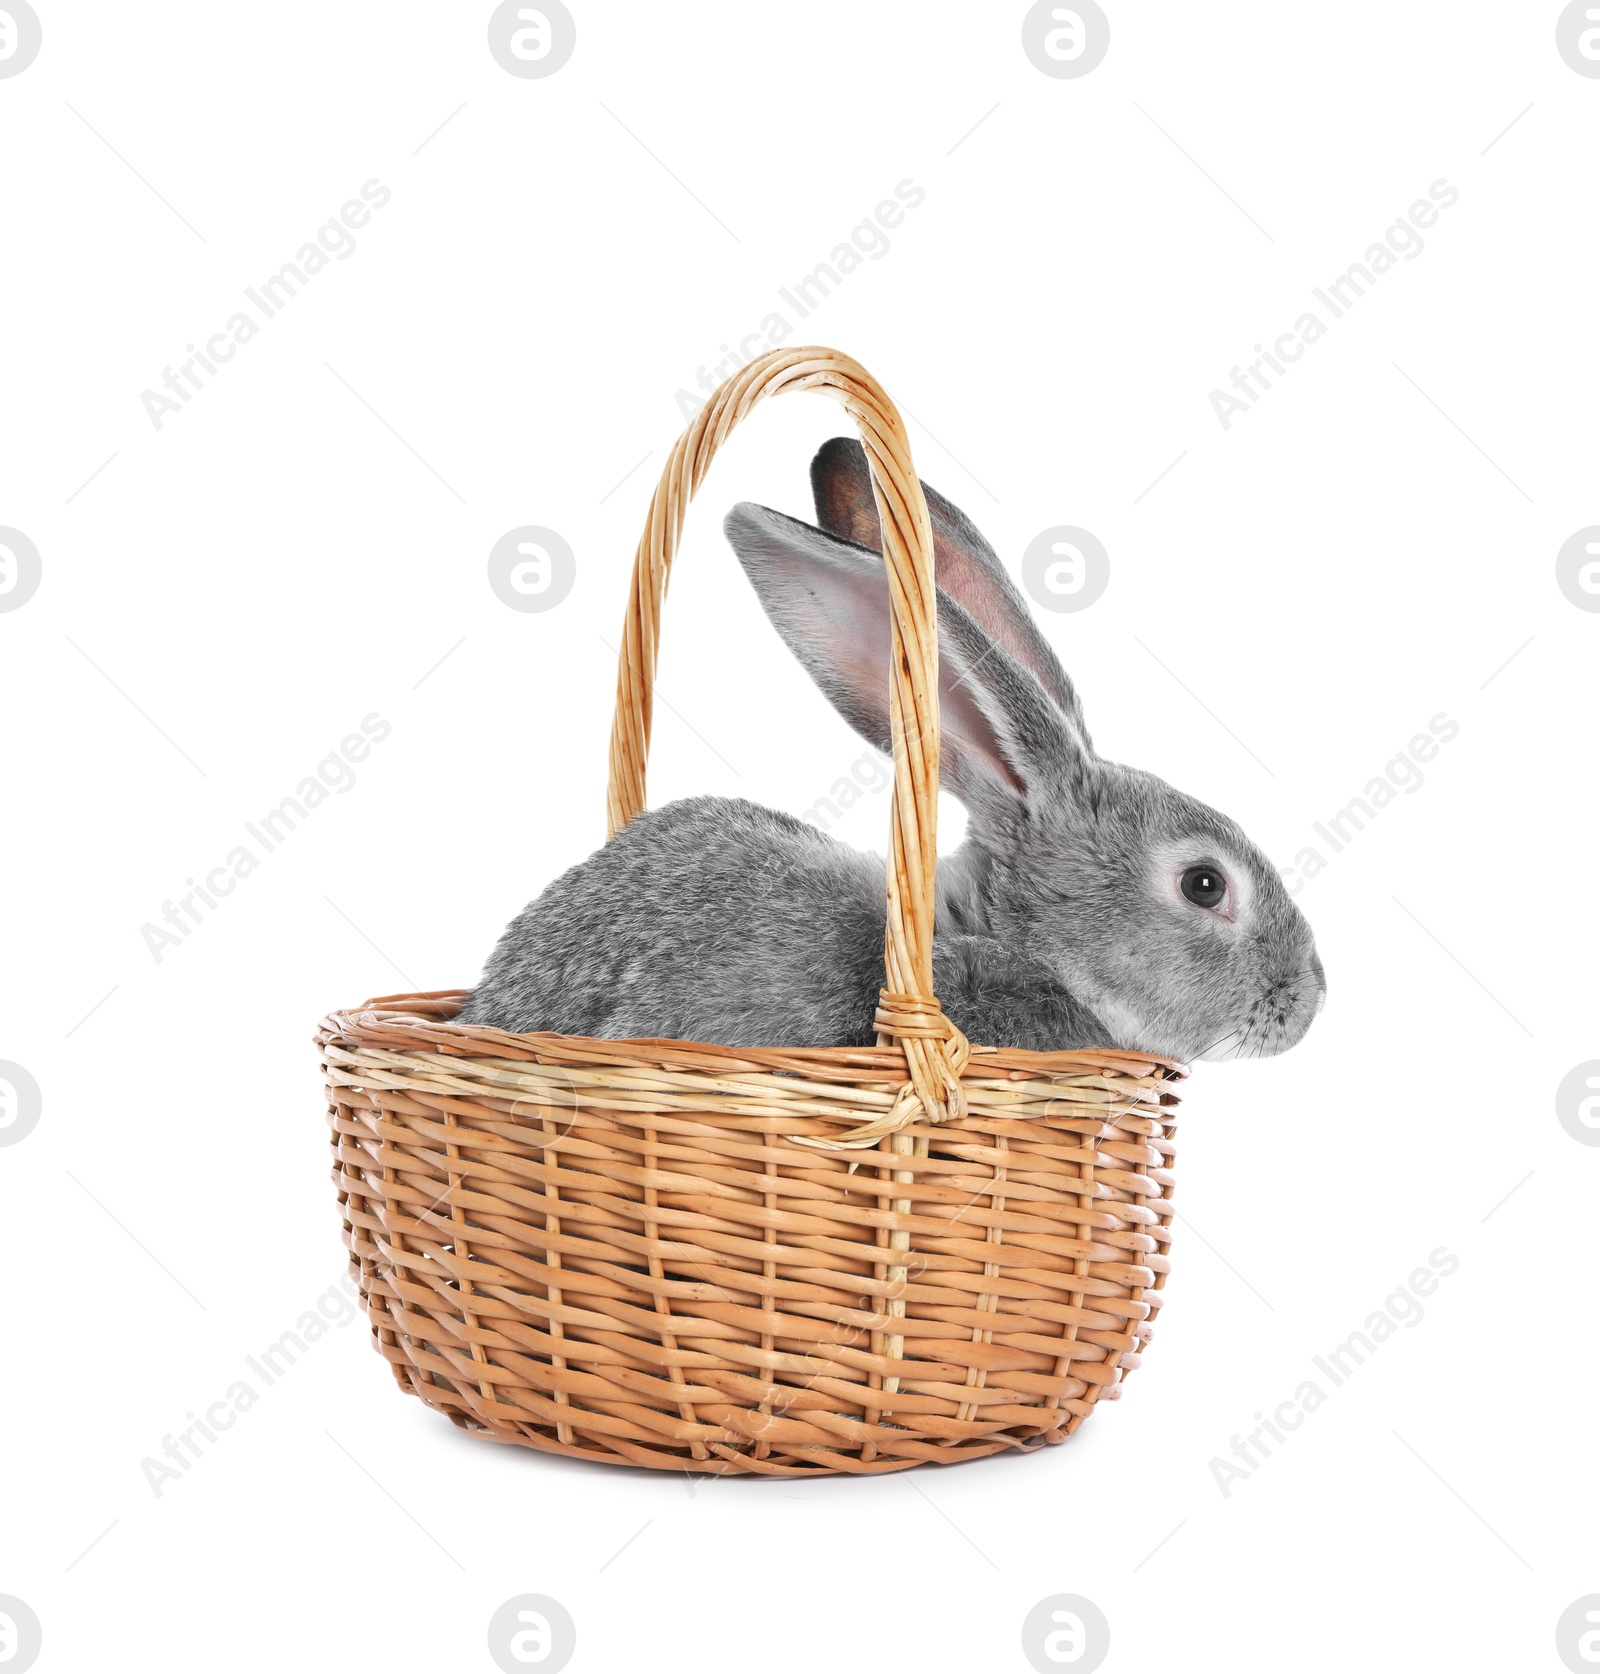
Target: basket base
{"x":890,"y":1449}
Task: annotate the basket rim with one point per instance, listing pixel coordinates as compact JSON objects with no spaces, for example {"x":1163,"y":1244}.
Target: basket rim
{"x":428,"y":1015}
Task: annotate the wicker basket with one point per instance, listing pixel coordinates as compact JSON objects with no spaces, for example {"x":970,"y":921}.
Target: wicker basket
{"x":784,"y":1261}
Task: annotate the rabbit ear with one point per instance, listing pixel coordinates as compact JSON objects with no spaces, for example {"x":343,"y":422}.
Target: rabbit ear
{"x":965,"y":565}
{"x":1005,"y":745}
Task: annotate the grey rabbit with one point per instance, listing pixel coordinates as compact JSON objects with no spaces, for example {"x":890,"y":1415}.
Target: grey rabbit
{"x":1091,"y":904}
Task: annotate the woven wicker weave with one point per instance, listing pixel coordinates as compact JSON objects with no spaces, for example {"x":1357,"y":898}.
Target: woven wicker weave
{"x":784,"y":1261}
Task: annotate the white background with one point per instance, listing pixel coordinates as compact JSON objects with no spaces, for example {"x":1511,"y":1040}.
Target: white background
{"x":1288,"y":605}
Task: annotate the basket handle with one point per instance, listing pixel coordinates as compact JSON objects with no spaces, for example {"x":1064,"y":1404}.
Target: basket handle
{"x":908,"y":1013}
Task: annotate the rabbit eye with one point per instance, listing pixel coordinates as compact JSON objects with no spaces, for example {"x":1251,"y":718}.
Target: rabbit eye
{"x":1205,"y":886}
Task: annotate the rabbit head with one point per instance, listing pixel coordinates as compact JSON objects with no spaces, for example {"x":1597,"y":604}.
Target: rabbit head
{"x":1156,"y":911}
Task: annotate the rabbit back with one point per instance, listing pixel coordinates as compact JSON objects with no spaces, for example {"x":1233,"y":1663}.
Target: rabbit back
{"x":708,"y":919}
{"x":723,"y":921}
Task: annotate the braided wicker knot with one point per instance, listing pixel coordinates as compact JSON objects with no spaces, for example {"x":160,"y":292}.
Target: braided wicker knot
{"x":936,"y":1054}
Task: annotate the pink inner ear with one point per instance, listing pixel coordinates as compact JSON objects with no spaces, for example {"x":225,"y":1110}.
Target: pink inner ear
{"x":964,"y":579}
{"x":849,"y":636}
{"x":842,"y":487}
{"x":831,"y":604}
{"x":857,"y":628}
{"x":963,"y":725}
{"x":967,"y":580}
